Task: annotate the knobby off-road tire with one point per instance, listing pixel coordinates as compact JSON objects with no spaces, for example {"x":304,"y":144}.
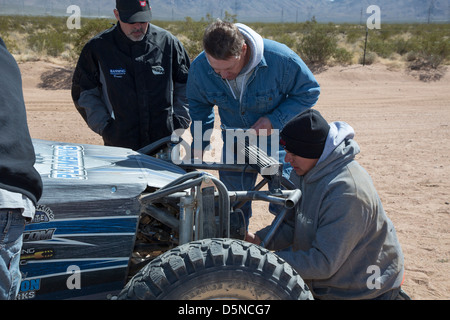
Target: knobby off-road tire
{"x":217,"y":269}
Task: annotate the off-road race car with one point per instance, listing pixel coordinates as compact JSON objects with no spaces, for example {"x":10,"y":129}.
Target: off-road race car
{"x":113,"y":223}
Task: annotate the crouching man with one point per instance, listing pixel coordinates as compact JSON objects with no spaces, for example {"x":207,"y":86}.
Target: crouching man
{"x":339,"y":239}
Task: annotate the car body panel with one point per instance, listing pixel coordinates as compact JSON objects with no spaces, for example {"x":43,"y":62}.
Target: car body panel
{"x":82,"y":236}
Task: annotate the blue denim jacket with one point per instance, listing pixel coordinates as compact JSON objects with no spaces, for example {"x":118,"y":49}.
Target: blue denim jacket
{"x":280,"y":87}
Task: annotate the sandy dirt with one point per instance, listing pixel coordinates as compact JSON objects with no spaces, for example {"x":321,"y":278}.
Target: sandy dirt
{"x":401,"y":124}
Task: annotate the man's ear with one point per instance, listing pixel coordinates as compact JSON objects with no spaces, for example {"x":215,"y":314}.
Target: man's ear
{"x":116,"y":14}
{"x":244,"y":49}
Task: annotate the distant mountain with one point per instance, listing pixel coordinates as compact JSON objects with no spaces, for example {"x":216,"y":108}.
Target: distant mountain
{"x":421,"y":11}
{"x":303,"y":10}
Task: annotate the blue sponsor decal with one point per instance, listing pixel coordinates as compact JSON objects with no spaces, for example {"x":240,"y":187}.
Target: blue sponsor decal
{"x":87,"y":226}
{"x":54,"y":268}
{"x":118,"y":73}
{"x":68,"y":162}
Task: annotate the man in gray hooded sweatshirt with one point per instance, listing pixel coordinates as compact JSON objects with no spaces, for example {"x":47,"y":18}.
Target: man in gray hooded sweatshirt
{"x":339,"y":239}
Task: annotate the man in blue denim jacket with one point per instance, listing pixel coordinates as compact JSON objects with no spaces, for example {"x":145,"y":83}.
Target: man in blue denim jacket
{"x":256,"y":84}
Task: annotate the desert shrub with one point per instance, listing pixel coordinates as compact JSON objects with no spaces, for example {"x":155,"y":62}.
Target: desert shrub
{"x":47,"y":42}
{"x":368,"y":59}
{"x":379,"y":43}
{"x":343,"y":56}
{"x":354,"y":35}
{"x":286,"y":39}
{"x":9,"y":43}
{"x":318,"y":45}
{"x":411,"y":56}
{"x":89,"y":28}
{"x":429,"y":50}
{"x":194,"y":30}
{"x":403,"y":46}
{"x":434,"y":49}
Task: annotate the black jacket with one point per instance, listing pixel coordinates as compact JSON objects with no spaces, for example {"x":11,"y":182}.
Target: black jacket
{"x":17,"y":157}
{"x":132,"y":93}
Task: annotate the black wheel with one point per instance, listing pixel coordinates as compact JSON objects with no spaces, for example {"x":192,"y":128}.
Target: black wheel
{"x":217,"y":269}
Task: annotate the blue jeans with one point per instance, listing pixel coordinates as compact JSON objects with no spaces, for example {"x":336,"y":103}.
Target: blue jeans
{"x":12,"y":225}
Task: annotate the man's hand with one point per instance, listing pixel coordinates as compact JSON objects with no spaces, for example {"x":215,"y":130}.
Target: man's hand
{"x":263,"y":127}
{"x":252,"y":238}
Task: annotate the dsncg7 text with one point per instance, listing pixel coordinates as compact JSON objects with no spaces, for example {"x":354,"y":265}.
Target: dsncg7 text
{"x":237,"y":309}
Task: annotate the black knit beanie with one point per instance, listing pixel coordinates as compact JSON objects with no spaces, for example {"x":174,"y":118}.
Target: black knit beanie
{"x":306,"y":134}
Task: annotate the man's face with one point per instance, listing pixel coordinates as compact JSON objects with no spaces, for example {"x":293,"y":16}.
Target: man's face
{"x":229,"y":69}
{"x":134,"y":31}
{"x":301,"y":165}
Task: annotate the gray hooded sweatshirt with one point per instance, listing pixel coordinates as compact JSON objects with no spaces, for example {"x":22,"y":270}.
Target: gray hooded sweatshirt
{"x":339,"y":239}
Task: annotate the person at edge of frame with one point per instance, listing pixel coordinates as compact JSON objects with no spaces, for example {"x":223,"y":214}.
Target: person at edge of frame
{"x":20,"y":183}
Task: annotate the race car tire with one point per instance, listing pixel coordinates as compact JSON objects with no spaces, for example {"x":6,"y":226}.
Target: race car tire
{"x":216,"y":269}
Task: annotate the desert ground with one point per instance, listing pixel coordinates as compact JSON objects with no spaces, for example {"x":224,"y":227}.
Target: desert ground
{"x":402,"y":126}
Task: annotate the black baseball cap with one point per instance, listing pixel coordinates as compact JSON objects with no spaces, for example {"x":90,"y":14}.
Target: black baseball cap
{"x":305,"y":135}
{"x":133,"y":11}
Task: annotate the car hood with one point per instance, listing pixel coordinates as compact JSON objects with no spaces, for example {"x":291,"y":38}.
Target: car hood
{"x":87,"y":172}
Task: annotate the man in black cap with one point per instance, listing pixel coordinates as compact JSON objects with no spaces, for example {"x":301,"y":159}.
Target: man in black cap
{"x":130,"y":81}
{"x":339,"y":239}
